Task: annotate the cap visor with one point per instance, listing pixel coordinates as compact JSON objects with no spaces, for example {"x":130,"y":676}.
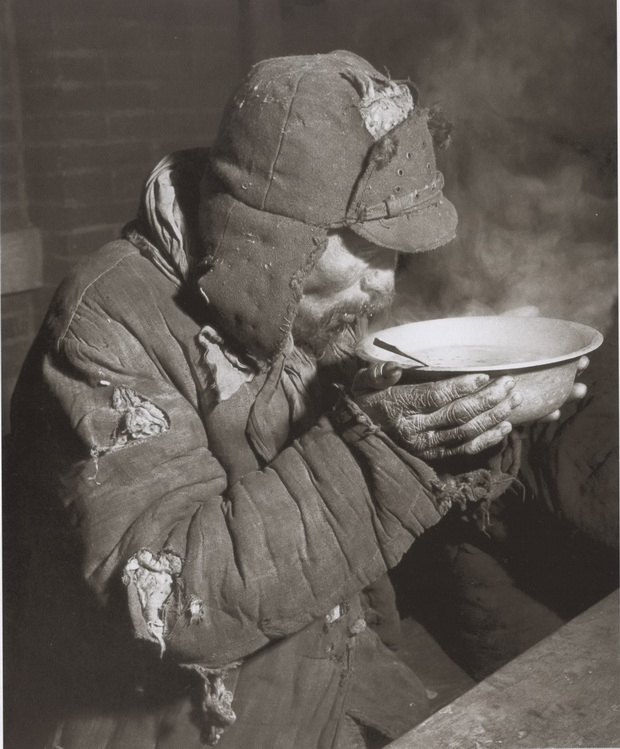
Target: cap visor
{"x":417,"y":231}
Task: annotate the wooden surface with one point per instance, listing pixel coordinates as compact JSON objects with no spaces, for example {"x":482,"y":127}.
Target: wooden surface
{"x":563,"y":692}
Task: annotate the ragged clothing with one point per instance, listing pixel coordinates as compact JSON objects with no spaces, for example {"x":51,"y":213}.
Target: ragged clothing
{"x":201,"y":529}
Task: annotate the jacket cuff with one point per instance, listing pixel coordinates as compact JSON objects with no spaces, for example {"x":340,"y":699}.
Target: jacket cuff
{"x":449,"y":482}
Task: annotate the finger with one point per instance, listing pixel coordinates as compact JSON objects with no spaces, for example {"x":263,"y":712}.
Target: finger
{"x":582,"y":364}
{"x":473,"y":447}
{"x":549,"y":418}
{"x":430,"y":396}
{"x":377,"y":376}
{"x":384,"y":374}
{"x":465,"y":409}
{"x":578,"y":391}
{"x":479,"y":424}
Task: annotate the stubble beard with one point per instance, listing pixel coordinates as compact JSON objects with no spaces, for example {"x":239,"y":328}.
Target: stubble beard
{"x":334,"y":334}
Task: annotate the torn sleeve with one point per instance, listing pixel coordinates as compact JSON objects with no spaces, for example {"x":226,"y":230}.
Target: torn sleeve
{"x":214,"y":571}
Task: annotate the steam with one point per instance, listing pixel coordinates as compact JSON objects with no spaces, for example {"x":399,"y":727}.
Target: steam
{"x":530,"y":88}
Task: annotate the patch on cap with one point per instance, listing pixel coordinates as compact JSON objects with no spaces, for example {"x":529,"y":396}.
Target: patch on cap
{"x":384,"y":104}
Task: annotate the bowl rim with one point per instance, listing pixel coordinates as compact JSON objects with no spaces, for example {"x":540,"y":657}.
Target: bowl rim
{"x":363,"y":346}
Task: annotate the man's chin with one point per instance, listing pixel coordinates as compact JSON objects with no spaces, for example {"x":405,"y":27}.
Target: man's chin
{"x":336,"y":343}
{"x":337,"y":332}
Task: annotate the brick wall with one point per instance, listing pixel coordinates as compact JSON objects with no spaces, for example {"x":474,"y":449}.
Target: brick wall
{"x":105,"y":90}
{"x":21,"y":259}
{"x":13,"y":214}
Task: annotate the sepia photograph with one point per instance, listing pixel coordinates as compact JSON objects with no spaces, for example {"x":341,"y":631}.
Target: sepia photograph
{"x":309,"y":374}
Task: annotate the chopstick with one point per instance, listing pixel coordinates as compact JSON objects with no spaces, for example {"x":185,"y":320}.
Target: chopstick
{"x":395,"y":350}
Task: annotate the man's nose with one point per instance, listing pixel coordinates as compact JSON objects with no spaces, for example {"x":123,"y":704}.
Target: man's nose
{"x":378,"y":281}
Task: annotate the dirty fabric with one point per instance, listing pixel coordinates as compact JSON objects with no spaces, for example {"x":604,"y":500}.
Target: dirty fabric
{"x":195,"y":502}
{"x":269,"y":543}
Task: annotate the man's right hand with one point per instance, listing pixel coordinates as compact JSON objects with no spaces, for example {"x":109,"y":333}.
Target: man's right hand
{"x":459,"y":416}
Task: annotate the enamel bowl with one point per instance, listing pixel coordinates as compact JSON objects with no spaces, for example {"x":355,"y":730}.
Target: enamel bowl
{"x":540,"y":353}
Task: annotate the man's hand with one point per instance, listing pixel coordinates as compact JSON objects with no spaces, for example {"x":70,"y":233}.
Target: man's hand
{"x":459,"y":416}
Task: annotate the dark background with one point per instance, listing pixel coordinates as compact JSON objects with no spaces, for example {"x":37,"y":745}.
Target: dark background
{"x":95,"y":92}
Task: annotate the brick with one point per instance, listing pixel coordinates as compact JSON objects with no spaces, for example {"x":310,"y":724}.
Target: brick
{"x":171,"y":36}
{"x":9,"y":100}
{"x":13,"y":355}
{"x":83,"y":156}
{"x":130,"y":96}
{"x":8,"y":129}
{"x":73,"y":188}
{"x":16,"y":303}
{"x":92,"y":34}
{"x":84,"y":67}
{"x":45,"y":158}
{"x":7,"y":69}
{"x":10,"y":189}
{"x":146,"y":65}
{"x":82,"y":97}
{"x":13,"y":217}
{"x":31,"y":36}
{"x":17,"y":325}
{"x":31,"y":304}
{"x":56,"y":268}
{"x":93,"y":237}
{"x":81,"y":126}
{"x":63,"y":98}
{"x":61,"y":218}
{"x":191,"y":123}
{"x":72,"y":98}
{"x":6,"y":37}
{"x":68,"y":244}
{"x":127,"y":185}
{"x":144,"y":124}
{"x":10,"y":158}
{"x":38,"y":99}
{"x":217,"y":47}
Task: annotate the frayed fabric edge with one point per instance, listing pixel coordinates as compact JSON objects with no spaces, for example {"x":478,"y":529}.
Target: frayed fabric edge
{"x":216,"y":700}
{"x":151,"y":578}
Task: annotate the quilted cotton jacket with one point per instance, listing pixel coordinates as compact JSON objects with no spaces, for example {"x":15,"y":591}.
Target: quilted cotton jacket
{"x":196,"y":560}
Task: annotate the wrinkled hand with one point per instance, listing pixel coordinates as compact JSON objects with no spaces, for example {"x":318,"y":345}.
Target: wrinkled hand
{"x":458,"y":416}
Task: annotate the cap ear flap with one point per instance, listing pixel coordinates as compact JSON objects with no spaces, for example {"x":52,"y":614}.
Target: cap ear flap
{"x":253,"y":279}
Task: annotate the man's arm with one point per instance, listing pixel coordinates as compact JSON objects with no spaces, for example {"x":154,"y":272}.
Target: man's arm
{"x":215,"y":571}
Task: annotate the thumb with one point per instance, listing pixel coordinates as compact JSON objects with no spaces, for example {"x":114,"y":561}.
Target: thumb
{"x":377,"y":376}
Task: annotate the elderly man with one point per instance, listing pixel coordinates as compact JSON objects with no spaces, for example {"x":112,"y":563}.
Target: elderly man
{"x":211,"y":486}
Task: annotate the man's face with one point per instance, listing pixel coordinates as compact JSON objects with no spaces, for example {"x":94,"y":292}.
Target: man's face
{"x":352,"y":278}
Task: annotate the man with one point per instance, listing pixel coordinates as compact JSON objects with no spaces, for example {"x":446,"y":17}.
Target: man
{"x":210,"y":491}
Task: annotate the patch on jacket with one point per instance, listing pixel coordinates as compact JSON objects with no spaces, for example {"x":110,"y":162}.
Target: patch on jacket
{"x":139,"y":418}
{"x":150,"y":578}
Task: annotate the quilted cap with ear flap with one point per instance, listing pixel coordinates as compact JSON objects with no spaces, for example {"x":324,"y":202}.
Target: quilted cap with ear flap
{"x":307,"y":139}
{"x":255,"y":273}
{"x":292,"y":140}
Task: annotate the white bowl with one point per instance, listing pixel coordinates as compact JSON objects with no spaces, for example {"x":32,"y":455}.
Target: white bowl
{"x":540,"y":353}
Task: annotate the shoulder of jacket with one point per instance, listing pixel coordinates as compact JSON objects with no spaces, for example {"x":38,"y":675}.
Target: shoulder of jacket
{"x":113,"y":263}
